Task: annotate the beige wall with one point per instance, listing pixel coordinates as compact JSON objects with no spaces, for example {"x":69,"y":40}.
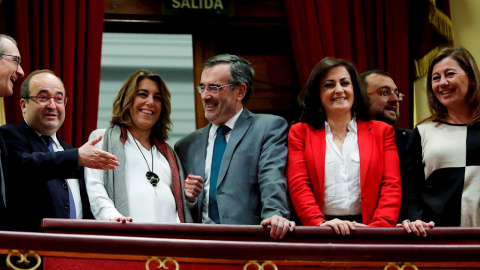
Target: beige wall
{"x":466,"y":25}
{"x":466,"y":31}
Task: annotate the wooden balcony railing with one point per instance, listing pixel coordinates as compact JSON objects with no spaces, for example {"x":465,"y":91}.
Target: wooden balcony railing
{"x":82,"y":244}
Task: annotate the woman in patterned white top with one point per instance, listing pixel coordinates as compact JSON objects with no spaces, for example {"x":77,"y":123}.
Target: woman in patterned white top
{"x":445,"y":148}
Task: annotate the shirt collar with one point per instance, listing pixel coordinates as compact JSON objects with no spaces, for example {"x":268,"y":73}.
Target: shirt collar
{"x":54,"y":136}
{"x":352,"y":126}
{"x":230,"y":123}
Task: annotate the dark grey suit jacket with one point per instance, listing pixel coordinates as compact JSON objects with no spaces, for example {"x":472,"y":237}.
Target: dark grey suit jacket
{"x":251,"y":183}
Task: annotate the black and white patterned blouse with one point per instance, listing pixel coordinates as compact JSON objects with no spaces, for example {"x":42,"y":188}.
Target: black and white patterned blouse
{"x":444,"y":174}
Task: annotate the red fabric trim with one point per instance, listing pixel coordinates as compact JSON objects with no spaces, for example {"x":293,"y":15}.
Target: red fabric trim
{"x":123,"y":134}
{"x":177,"y":190}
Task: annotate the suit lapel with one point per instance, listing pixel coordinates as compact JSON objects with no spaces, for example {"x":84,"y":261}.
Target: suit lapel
{"x":318,"y":149}
{"x":365,"y":147}
{"x":38,"y":145}
{"x":241,"y":127}
{"x":64,"y":144}
{"x":201,"y":141}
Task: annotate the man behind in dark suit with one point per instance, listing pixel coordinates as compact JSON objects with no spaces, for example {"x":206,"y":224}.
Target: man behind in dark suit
{"x":384,"y":106}
{"x":10,"y":71}
{"x":251,"y":185}
{"x":44,"y":177}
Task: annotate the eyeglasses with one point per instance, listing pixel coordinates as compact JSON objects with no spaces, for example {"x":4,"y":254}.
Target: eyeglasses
{"x":387,"y":93}
{"x":211,"y":88}
{"x":17,"y":59}
{"x":44,"y":99}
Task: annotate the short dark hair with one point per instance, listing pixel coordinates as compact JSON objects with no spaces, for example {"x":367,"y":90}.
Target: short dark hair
{"x":466,"y":62}
{"x":25,"y":88}
{"x":364,"y":75}
{"x":313,"y":111}
{"x":124,"y":100}
{"x":240,"y":69}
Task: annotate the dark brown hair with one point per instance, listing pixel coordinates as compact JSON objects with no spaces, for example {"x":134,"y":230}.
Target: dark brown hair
{"x":313,"y":111}
{"x":123,"y":101}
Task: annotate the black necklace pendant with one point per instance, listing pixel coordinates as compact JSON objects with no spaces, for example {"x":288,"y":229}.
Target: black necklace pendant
{"x":152,"y":178}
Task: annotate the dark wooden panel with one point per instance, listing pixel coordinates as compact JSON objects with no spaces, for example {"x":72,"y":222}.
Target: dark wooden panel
{"x":257,"y":233}
{"x":128,"y":7}
{"x":241,"y":8}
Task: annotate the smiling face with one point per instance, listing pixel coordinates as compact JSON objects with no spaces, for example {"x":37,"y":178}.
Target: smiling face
{"x":336,"y":92}
{"x":450,"y":84}
{"x":9,"y":73}
{"x":146,"y":107}
{"x":220,"y":107}
{"x":47,"y":118}
{"x":382,"y":108}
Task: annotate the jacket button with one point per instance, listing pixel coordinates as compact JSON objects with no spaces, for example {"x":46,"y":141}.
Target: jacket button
{"x":65,"y":186}
{"x":67,"y":206}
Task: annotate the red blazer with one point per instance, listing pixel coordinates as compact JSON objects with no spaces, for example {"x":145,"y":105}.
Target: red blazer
{"x":380,"y":182}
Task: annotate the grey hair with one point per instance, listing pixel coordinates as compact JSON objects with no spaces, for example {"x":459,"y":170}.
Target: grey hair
{"x":2,"y":45}
{"x":241,"y":71}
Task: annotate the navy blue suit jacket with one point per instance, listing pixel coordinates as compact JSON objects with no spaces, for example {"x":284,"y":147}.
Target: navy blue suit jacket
{"x":35,"y":178}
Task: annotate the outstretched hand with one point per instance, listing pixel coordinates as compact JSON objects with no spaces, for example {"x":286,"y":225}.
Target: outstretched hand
{"x":94,"y":158}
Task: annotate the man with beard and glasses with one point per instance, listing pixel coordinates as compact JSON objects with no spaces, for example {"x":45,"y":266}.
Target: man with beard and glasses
{"x":384,"y":106}
{"x":10,"y":71}
{"x":44,"y":177}
{"x":241,"y":155}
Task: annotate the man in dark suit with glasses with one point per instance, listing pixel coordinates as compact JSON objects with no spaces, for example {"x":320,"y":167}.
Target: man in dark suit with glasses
{"x":45,"y":175}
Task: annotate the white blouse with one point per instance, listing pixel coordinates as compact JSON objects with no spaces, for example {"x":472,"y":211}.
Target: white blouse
{"x":342,"y":174}
{"x":146,"y":203}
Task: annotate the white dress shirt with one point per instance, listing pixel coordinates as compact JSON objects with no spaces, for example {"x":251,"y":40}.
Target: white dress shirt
{"x":72,"y":183}
{"x":342,"y":174}
{"x":208,"y":162}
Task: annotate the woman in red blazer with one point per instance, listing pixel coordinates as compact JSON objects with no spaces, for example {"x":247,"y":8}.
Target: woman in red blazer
{"x":341,"y":166}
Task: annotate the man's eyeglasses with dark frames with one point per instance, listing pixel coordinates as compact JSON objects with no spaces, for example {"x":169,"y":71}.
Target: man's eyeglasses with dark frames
{"x":212,"y":88}
{"x":15,"y":58}
{"x":44,"y":99}
{"x":387,"y":93}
